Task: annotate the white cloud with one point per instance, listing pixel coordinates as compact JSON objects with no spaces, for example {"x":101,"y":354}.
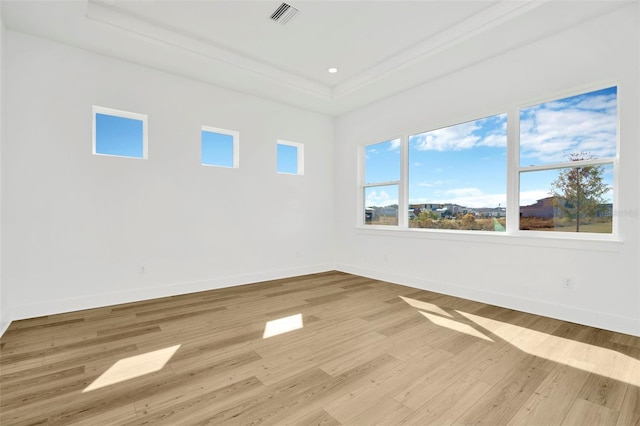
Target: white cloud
{"x":552,"y":131}
{"x":463,"y":136}
{"x":447,"y":139}
{"x":494,"y":140}
{"x":468,"y":197}
{"x":600,"y":102}
{"x":394,"y":145}
{"x":379,"y":198}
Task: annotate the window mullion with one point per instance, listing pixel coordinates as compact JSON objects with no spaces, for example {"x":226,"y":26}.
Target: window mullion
{"x":371,"y":185}
{"x":513,"y":171}
{"x":403,"y":205}
{"x":567,"y":165}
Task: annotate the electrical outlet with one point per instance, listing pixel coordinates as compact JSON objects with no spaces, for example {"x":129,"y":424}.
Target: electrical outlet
{"x":142,"y":269}
{"x":567,"y":282}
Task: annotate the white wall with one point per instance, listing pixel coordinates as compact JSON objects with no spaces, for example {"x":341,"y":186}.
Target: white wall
{"x":77,"y":227}
{"x":520,"y":273}
{"x":4,"y":307}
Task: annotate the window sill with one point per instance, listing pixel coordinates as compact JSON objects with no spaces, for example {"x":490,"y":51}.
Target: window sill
{"x":591,"y":242}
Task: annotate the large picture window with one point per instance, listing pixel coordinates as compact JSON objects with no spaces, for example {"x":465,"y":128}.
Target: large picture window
{"x":567,"y":162}
{"x":552,"y":172}
{"x":458,"y":176}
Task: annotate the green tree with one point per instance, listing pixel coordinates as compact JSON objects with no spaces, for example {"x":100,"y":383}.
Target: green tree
{"x":579,"y":191}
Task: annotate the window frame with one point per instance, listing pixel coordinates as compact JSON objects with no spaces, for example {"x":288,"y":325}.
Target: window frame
{"x":235,"y":135}
{"x":299,"y":157}
{"x":504,"y":113}
{"x":518,"y":169}
{"x":402,"y":188}
{"x":514,"y":169}
{"x":122,"y":114}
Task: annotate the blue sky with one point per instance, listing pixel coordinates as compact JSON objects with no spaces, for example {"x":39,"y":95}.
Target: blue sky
{"x":216,"y":149}
{"x":467,"y":163}
{"x":119,"y":136}
{"x":287,"y":159}
{"x":551,"y":131}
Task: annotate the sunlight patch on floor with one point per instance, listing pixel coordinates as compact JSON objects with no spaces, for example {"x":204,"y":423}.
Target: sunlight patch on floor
{"x":592,"y":358}
{"x":455,"y":326}
{"x":426,"y":306}
{"x":282,"y":325}
{"x":132,"y":367}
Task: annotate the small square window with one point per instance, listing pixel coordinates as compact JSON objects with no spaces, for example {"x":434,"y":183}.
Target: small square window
{"x":219,"y":147}
{"x":290,"y":158}
{"x":119,"y":133}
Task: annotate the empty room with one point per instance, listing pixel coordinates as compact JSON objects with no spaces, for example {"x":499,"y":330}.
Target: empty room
{"x":320,"y":212}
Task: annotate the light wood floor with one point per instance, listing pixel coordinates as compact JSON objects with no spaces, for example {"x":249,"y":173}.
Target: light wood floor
{"x":368,"y":352}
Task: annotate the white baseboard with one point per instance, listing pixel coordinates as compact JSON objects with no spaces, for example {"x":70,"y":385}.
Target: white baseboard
{"x":3,"y":326}
{"x":574,"y":314}
{"x":59,"y":306}
{"x":606,"y":321}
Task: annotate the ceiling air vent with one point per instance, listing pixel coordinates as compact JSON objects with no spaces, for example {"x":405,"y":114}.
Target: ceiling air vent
{"x":284,"y":13}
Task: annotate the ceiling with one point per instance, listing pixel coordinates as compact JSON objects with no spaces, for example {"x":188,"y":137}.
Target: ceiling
{"x":380,"y":47}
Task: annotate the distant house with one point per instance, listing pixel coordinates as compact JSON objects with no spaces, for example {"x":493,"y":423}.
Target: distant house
{"x":369,"y":214}
{"x":388,"y":211}
{"x":444,"y":209}
{"x":490,"y":211}
{"x":542,"y":208}
{"x":606,"y":210}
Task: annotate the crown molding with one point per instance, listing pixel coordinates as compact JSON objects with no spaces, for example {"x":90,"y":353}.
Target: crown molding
{"x":467,"y":29}
{"x":103,"y":12}
{"x":157,"y":34}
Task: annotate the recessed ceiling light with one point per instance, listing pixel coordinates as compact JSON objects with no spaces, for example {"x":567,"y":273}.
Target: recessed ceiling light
{"x":333,"y":70}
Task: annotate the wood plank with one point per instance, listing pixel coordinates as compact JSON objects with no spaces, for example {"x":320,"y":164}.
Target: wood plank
{"x":507,"y":397}
{"x":192,"y":407}
{"x":630,"y":410}
{"x":445,"y":407}
{"x":316,"y":417}
{"x":385,"y":411}
{"x":554,"y":398}
{"x":587,"y":413}
{"x":346,"y":406}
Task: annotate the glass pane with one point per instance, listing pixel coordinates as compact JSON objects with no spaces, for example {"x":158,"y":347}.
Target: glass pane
{"x":119,"y":136}
{"x":458,"y":176}
{"x":381,"y":205}
{"x":572,"y":199}
{"x":584,"y":125}
{"x":217,"y":149}
{"x":382,"y":162}
{"x":287,"y":159}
